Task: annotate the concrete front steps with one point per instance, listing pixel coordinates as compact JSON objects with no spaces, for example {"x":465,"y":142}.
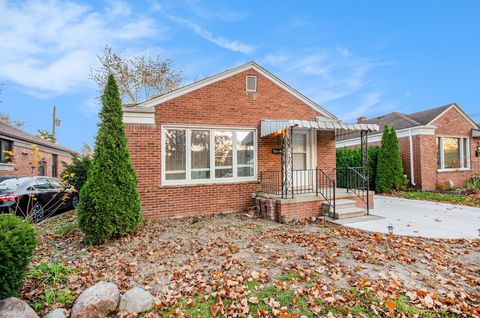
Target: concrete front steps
{"x":346,"y":209}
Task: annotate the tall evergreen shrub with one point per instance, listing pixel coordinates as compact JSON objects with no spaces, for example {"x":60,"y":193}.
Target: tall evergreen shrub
{"x":389,"y":168}
{"x":353,"y":158}
{"x":109,"y":201}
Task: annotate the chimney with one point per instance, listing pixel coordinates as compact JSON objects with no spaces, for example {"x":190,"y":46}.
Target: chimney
{"x":361,"y":119}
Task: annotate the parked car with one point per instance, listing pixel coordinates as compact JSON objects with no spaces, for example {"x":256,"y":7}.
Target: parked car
{"x":35,"y":197}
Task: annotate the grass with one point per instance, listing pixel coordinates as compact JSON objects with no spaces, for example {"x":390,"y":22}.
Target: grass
{"x":439,"y":197}
{"x":51,"y":278}
{"x":66,"y":228}
{"x":298,"y":305}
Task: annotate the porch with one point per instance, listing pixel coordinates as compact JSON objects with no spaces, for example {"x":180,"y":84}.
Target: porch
{"x":305,"y":186}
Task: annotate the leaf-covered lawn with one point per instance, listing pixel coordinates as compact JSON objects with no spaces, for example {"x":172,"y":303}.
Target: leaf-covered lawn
{"x":463,"y":199}
{"x":234,"y":266}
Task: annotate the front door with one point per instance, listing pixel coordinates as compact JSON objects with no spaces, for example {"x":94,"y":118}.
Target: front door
{"x":303,"y":170}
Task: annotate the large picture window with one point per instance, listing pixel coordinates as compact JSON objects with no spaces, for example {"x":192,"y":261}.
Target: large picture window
{"x":453,"y":153}
{"x":202,"y":155}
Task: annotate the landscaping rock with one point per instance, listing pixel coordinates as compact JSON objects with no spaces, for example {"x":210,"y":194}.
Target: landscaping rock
{"x":56,"y":313}
{"x":100,"y":300}
{"x":136,"y":300}
{"x":14,"y":307}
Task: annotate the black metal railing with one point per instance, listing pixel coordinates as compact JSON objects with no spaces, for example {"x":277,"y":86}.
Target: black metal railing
{"x":355,"y":179}
{"x":271,"y":182}
{"x":305,"y":181}
{"x":326,"y":188}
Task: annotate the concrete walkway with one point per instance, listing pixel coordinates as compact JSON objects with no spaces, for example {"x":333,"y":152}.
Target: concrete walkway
{"x":422,"y":218}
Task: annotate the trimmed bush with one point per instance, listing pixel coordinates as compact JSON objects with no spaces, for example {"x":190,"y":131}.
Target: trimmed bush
{"x":109,"y":201}
{"x":353,"y":158}
{"x":17,"y":243}
{"x":76,"y":172}
{"x":389,"y":168}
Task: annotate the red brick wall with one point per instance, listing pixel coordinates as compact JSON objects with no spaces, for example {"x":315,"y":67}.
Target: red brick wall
{"x":298,"y":210}
{"x":454,"y":124}
{"x":326,"y":152}
{"x":24,"y":166}
{"x":223,"y":103}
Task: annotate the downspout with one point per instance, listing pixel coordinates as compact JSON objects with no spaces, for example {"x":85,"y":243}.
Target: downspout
{"x":412,"y":172}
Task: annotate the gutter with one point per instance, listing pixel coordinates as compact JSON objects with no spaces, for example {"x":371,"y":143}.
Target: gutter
{"x":412,"y":172}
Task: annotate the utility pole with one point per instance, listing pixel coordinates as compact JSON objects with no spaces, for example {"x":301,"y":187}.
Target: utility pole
{"x":55,"y":122}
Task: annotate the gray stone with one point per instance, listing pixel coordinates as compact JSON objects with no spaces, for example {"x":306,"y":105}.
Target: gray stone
{"x":100,"y":300}
{"x":13,"y":307}
{"x":136,"y":300}
{"x":56,"y":313}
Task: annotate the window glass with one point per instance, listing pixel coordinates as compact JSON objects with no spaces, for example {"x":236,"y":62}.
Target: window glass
{"x":299,"y":143}
{"x":5,"y":146}
{"x":56,"y":184}
{"x":196,"y":154}
{"x":175,"y":144}
{"x":439,"y":153}
{"x":299,"y":161}
{"x":245,"y":154}
{"x":200,"y":152}
{"x":451,"y":150}
{"x":54,"y":165}
{"x":41,"y":168}
{"x":42,"y":184}
{"x":299,"y":151}
{"x":223,"y":154}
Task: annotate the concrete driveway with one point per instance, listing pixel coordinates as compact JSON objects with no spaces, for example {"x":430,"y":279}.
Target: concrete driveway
{"x":422,"y":218}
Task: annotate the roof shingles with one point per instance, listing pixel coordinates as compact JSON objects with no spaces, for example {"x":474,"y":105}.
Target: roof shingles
{"x":18,"y":134}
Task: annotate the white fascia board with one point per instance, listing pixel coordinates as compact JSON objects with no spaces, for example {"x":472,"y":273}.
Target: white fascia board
{"x":418,"y":130}
{"x":218,"y":77}
{"x":138,"y":118}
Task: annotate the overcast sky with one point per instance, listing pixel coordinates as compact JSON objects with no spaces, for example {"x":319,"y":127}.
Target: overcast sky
{"x":352,"y":57}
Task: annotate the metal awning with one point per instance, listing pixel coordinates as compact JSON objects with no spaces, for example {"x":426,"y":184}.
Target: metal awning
{"x":476,"y":133}
{"x":269,"y":127}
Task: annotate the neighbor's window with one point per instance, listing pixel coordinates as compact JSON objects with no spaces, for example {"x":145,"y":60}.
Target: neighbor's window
{"x":213,"y":154}
{"x":5,"y":146}
{"x":453,"y":153}
{"x":54,"y":166}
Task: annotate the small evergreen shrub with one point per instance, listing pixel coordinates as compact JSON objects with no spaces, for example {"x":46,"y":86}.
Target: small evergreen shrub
{"x":353,"y":158}
{"x":389,"y":168}
{"x":17,"y":243}
{"x":75,"y":173}
{"x":109,"y":201}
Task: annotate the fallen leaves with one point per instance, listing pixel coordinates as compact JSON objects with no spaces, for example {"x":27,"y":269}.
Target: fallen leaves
{"x":236,"y":266}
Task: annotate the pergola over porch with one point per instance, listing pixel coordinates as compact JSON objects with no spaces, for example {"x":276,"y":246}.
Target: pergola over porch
{"x":290,"y":182}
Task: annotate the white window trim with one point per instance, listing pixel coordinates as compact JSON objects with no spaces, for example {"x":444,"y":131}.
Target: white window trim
{"x":442,"y":154}
{"x":212,"y":179}
{"x":246,"y":84}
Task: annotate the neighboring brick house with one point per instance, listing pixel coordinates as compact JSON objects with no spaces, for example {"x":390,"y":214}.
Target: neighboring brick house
{"x":22,"y":144}
{"x":202,"y":148}
{"x":438,"y":145}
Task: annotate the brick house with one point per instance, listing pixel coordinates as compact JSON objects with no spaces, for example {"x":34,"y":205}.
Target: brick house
{"x":22,"y":144}
{"x":437,"y":146}
{"x":214,"y":145}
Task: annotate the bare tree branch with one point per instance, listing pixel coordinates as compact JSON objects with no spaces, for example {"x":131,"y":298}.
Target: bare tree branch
{"x":139,"y":78}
